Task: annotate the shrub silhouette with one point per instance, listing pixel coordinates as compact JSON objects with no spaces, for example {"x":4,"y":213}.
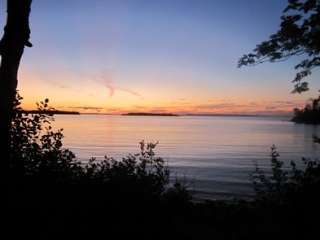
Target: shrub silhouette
{"x":49,"y":185}
{"x":287,"y":199}
{"x":38,"y":157}
{"x":55,"y":194}
{"x":285,"y":184}
{"x":36,"y":149}
{"x":143,"y":171}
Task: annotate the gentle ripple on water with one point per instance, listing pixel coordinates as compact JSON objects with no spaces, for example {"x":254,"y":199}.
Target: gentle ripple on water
{"x":216,"y":153}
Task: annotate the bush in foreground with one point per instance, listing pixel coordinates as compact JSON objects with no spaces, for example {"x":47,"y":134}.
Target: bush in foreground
{"x":51,"y":191}
{"x":37,"y":153}
{"x":287,"y":183}
{"x":54,"y":194}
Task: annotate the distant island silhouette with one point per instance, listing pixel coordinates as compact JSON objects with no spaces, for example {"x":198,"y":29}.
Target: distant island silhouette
{"x":53,"y":112}
{"x":221,"y":115}
{"x":188,"y":114}
{"x":150,"y":114}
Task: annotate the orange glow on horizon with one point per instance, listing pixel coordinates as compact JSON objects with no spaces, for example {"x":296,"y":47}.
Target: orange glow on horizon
{"x":103,"y":96}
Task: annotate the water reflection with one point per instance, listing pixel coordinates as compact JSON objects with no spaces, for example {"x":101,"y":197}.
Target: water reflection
{"x":208,"y":149}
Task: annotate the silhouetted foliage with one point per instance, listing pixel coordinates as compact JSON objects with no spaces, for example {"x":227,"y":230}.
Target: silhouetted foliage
{"x":37,"y":152}
{"x":287,"y":198}
{"x":15,"y":37}
{"x":36,"y":149}
{"x":143,"y":172}
{"x":286,"y":183}
{"x":299,"y":35}
{"x":310,"y":114}
{"x":48,"y":179}
{"x":53,"y":194}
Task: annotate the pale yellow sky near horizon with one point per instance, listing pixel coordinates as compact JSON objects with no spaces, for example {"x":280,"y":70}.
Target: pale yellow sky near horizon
{"x":103,"y":96}
{"x":156,"y":56}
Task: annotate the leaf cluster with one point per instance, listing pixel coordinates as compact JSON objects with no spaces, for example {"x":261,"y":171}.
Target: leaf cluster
{"x":299,"y":35}
{"x":283,"y":184}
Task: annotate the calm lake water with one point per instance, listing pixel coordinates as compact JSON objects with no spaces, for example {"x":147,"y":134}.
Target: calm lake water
{"x":214,"y":154}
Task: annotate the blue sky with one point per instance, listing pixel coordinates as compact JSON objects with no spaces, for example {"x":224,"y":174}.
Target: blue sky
{"x":178,"y":55}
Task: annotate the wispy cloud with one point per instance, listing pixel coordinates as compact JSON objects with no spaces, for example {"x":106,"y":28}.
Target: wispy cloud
{"x":111,"y":88}
{"x":107,"y":78}
{"x":134,"y":93}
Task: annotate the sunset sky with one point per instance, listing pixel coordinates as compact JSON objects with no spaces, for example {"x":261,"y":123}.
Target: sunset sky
{"x":115,"y":56}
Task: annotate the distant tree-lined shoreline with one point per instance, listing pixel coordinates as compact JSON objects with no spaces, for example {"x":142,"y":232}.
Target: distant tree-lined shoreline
{"x":51,"y":112}
{"x":310,"y":114}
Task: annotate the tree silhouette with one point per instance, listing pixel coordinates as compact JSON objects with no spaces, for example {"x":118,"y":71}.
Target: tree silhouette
{"x":310,"y":114}
{"x":15,"y":38}
{"x":299,"y":35}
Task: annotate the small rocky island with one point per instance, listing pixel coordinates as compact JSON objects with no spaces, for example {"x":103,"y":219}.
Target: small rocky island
{"x":150,"y":114}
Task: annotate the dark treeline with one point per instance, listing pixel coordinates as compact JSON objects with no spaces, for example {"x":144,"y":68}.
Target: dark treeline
{"x":310,"y":114}
{"x":52,"y":112}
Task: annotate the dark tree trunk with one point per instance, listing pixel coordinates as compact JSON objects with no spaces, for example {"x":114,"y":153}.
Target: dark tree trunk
{"x":15,"y":38}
